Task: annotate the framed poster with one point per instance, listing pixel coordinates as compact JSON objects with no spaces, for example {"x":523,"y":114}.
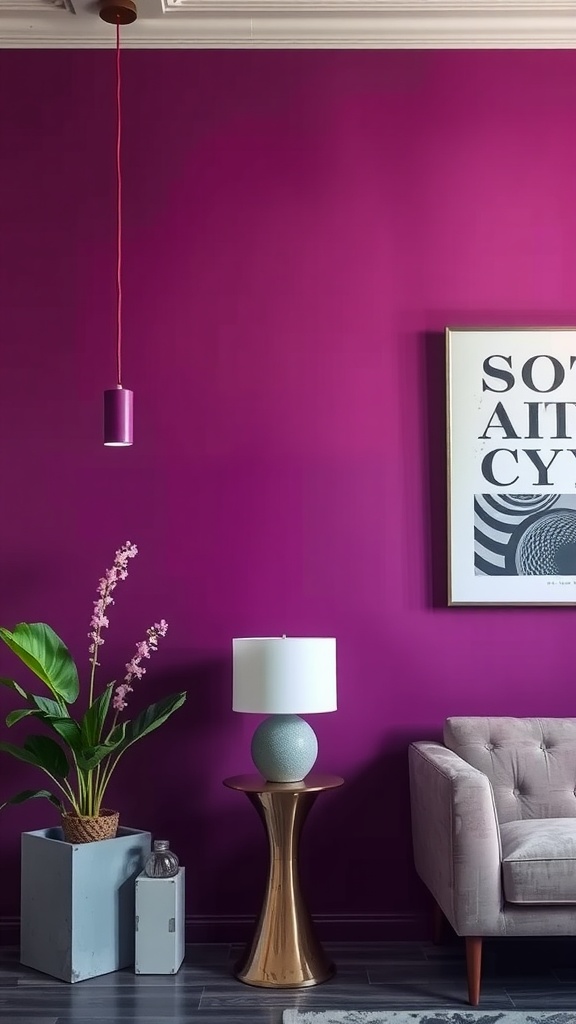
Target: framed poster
{"x":511,"y":465}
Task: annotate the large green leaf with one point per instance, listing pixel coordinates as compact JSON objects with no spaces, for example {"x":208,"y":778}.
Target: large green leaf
{"x":12,"y":685}
{"x":152,"y":718}
{"x":49,"y":706}
{"x":17,"y":716}
{"x":91,"y":756}
{"x":68,"y":729}
{"x":42,"y":752}
{"x":49,"y":754}
{"x":118,"y":733}
{"x":93,"y":721}
{"x":39,"y":647}
{"x":31,"y":794}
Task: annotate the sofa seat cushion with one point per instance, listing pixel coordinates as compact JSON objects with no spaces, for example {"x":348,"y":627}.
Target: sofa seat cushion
{"x":539,"y":860}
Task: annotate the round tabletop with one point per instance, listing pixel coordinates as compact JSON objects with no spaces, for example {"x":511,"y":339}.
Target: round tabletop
{"x":313,"y":783}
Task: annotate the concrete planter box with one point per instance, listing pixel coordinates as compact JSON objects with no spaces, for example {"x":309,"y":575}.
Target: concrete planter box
{"x":77,"y":902}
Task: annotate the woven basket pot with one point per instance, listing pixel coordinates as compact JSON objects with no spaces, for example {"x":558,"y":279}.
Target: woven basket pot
{"x":78,"y":829}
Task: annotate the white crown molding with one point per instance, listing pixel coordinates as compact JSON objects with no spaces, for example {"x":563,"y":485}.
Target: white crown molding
{"x":296,"y":24}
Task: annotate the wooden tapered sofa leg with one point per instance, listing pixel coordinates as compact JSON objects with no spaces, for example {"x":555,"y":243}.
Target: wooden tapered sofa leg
{"x":474,"y":967}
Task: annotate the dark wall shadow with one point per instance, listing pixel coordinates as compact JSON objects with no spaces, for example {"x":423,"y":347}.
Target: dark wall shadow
{"x":434,"y":447}
{"x":357,"y":850}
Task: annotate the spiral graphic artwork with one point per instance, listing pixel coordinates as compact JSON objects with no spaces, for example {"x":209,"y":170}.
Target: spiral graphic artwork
{"x":525,"y":535}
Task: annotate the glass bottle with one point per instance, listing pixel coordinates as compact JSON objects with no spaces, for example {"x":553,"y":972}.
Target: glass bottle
{"x":162,"y":862}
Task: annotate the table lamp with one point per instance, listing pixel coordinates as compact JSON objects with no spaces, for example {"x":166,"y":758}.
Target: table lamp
{"x":284,"y":677}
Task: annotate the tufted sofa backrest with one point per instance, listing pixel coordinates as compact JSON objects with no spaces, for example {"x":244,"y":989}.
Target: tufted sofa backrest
{"x":531,"y":762}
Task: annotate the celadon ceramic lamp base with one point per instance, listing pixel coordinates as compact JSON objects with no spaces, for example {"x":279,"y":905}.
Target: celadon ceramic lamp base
{"x":284,"y":748}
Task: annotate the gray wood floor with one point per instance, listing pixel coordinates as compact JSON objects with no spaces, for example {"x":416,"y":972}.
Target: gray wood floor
{"x":527,"y":974}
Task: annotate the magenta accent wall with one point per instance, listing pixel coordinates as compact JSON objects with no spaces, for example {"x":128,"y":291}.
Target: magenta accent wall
{"x":299,"y":229}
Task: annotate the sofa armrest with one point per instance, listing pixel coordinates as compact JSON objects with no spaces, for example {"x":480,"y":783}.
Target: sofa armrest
{"x":456,"y":837}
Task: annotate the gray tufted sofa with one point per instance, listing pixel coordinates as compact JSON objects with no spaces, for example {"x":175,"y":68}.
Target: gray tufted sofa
{"x":494,"y":828}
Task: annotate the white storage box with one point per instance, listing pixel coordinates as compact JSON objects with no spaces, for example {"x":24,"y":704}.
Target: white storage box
{"x":160,"y":919}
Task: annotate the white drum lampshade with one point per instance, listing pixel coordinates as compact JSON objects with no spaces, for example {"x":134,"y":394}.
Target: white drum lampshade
{"x":284,"y":677}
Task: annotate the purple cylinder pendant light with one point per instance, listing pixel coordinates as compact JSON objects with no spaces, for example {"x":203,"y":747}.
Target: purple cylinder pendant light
{"x":118,"y":401}
{"x":118,"y":420}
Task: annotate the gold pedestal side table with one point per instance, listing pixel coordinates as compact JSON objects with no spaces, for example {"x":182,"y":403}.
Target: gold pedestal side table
{"x":284,"y":952}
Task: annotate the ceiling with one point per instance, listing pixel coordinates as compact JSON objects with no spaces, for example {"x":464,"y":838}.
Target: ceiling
{"x":296,"y":24}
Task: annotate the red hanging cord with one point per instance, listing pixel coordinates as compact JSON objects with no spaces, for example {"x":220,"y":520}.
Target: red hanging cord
{"x":118,"y":215}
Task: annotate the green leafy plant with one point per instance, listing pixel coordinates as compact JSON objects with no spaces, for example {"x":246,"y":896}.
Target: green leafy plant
{"x":82,"y":753}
